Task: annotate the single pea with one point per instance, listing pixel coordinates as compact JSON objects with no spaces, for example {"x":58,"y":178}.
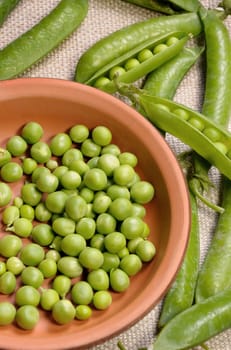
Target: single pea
{"x":7,"y":283}
{"x":16,"y":145}
{"x":108,"y":163}
{"x":40,"y":152}
{"x":18,"y":201}
{"x":102,"y":299}
{"x":38,"y":171}
{"x":11,"y":172}
{"x":79,"y":133}
{"x":172,"y":40}
{"x":14,"y":265}
{"x":196,"y":123}
{"x":101,"y":82}
{"x":131,"y":264}
{"x":105,"y":223}
{"x":62,"y":285}
{"x":47,"y":182}
{"x":119,"y":280}
{"x":101,"y":204}
{"x":184,"y":115}
{"x":110,"y":261}
{"x":221,"y":147}
{"x":53,"y":254}
{"x":9,"y":214}
{"x":75,"y":207}
{"x":73,"y":244}
{"x":7,"y":313}
{"x":128,"y":158}
{"x":70,"y":180}
{"x":145,"y":250}
{"x":52,"y":164}
{"x":87,"y":194}
{"x":138,"y":210}
{"x":111,"y":149}
{"x":63,"y":226}
{"x":27,"y":212}
{"x":90,"y":149}
{"x":116,"y":191}
{"x":142,"y":192}
{"x":10,"y":245}
{"x":101,"y":135}
{"x":32,"y":254}
{"x":5,"y":156}
{"x":59,"y":171}
{"x":32,"y":132}
{"x":86,"y":227}
{"x":71,"y":155}
{"x":48,"y":267}
{"x":132,"y":227}
{"x":123,"y":252}
{"x":22,"y":227}
{"x":91,"y":258}
{"x":42,"y":234}
{"x":162,"y":107}
{"x":56,"y":243}
{"x":144,"y":55}
{"x":95,"y":179}
{"x":60,"y":143}
{"x":5,"y":194}
{"x":120,"y":208}
{"x":41,"y":212}
{"x":70,"y":266}
{"x":55,"y":202}
{"x":114,"y":242}
{"x":213,"y":134}
{"x":48,"y":299}
{"x":116,"y":71}
{"x":63,"y":311}
{"x":30,"y":194}
{"x":32,"y":276}
{"x":83,"y":312}
{"x":97,"y":241}
{"x":27,"y":317}
{"x":159,"y":48}
{"x":80,"y":166}
{"x":82,"y":293}
{"x":27,"y":295}
{"x":131,"y":63}
{"x":28,"y":165}
{"x":123,"y":174}
{"x":92,"y":162}
{"x":98,"y":279}
{"x":2,"y":267}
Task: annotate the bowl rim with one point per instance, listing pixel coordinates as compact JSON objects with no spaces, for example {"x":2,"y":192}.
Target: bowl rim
{"x":9,"y":89}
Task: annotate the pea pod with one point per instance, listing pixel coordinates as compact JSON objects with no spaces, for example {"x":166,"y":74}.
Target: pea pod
{"x":139,"y":62}
{"x":201,"y":134}
{"x":6,"y":6}
{"x":155,"y":5}
{"x":197,"y":324}
{"x":42,"y":38}
{"x":164,"y":81}
{"x":181,"y":293}
{"x":126,"y":39}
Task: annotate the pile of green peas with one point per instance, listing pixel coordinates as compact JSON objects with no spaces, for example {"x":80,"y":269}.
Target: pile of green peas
{"x":76,"y":231}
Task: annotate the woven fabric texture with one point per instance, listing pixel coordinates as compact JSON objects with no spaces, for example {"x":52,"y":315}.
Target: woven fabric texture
{"x":104,"y":17}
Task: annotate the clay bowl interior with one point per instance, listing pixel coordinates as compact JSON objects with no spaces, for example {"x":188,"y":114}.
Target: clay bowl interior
{"x":58,"y":105}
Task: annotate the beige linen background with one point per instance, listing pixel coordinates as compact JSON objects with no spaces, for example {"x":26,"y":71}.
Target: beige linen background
{"x":104,"y":17}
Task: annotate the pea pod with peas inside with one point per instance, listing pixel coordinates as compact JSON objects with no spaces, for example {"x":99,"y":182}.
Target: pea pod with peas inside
{"x":38,"y":41}
{"x":138,"y":62}
{"x":203,"y":135}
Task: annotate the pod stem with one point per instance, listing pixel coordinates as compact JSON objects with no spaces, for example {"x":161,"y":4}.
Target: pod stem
{"x":121,"y":346}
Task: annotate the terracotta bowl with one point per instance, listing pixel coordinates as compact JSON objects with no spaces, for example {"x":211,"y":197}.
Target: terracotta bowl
{"x":58,"y":105}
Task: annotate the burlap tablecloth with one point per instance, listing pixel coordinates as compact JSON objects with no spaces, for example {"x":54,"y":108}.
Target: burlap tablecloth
{"x":104,"y":17}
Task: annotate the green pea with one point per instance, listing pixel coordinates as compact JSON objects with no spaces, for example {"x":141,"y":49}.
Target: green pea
{"x":142,"y":192}
{"x":131,"y":63}
{"x":7,"y":283}
{"x":69,"y":266}
{"x":116,"y":71}
{"x":90,"y":149}
{"x":22,"y":227}
{"x":41,"y":212}
{"x":101,"y":135}
{"x":119,"y":280}
{"x":16,"y":145}
{"x":47,"y":182}
{"x":32,"y":276}
{"x":30,"y":194}
{"x":14,"y":265}
{"x":63,"y":311}
{"x":48,"y":267}
{"x":48,"y":299}
{"x":95,"y":179}
{"x":55,"y":202}
{"x":53,"y":254}
{"x":62,"y":285}
{"x":27,"y":317}
{"x":11,"y":172}
{"x":80,"y":166}
{"x":27,"y":295}
{"x":221,"y":147}
{"x":40,"y":152}
{"x":102,"y":299}
{"x":63,"y":226}
{"x":120,"y":208}
{"x":123,"y":174}
{"x":52,"y":164}
{"x":91,"y":258}
{"x":71,"y":155}
{"x":70,"y":180}
{"x":144,"y":55}
{"x":105,"y":223}
{"x":42,"y":234}
{"x":123,"y":252}
{"x":32,"y":254}
{"x":172,"y":40}
{"x":83,"y":312}
{"x":213,"y":134}
{"x":5,"y":156}
{"x":10,"y":245}
{"x":131,"y":264}
{"x":132,"y":227}
{"x":5,"y":194}
{"x":98,"y":279}
{"x":112,"y":149}
{"x":97,"y":241}
{"x":60,"y":143}
{"x":10,"y":214}
{"x":116,"y":191}
{"x":28,"y":165}
{"x":101,"y":82}
{"x":27,"y":212}
{"x":2,"y":267}
{"x":60,"y":170}
{"x":75,"y":207}
{"x":73,"y":244}
{"x":101,"y":204}
{"x":79,"y":133}
{"x":198,"y":124}
{"x":110,"y":261}
{"x":181,"y":113}
{"x":32,"y":132}
{"x":7,"y":313}
{"x":159,"y":48}
{"x":145,"y":250}
{"x":114,"y":242}
{"x":82,"y":293}
{"x":108,"y":163}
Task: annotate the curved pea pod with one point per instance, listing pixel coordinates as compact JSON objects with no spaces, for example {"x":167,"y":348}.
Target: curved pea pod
{"x":127,"y":38}
{"x":204,"y":136}
{"x":158,"y":6}
{"x":215,"y":274}
{"x":191,"y":6}
{"x":34,"y":44}
{"x":197,"y":324}
{"x":138,"y":62}
{"x":181,"y":294}
{"x":6,"y":6}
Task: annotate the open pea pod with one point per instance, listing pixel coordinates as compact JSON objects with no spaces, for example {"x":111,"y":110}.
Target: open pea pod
{"x":139,"y":61}
{"x":204,"y":136}
{"x":168,"y":7}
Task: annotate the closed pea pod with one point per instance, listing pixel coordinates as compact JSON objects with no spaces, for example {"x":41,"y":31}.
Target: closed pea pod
{"x":166,"y":6}
{"x":6,"y":6}
{"x":42,"y":38}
